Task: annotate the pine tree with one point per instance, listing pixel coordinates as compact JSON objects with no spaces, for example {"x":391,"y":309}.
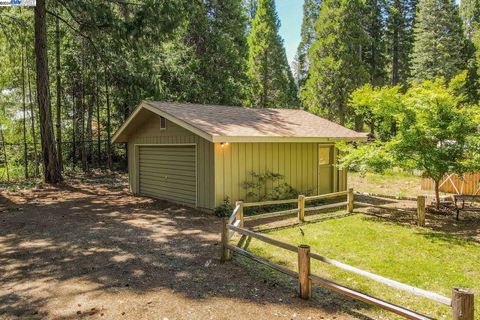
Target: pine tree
{"x":251,"y":9}
{"x":470,"y":14}
{"x":374,"y":52}
{"x":271,"y":83}
{"x":311,"y":10}
{"x":209,"y":54}
{"x":52,"y":173}
{"x":439,"y":42}
{"x":226,"y":52}
{"x":399,"y":38}
{"x":336,"y":64}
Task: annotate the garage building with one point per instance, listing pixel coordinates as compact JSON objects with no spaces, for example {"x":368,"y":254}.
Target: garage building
{"x":198,"y":155}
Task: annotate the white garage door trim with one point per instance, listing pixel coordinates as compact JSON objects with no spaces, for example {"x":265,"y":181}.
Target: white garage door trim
{"x":137,"y":167}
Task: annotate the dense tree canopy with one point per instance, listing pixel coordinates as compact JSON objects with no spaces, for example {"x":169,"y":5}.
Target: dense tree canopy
{"x":436,"y":129}
{"x":270,"y":77}
{"x":311,"y":10}
{"x":106,"y":56}
{"x":336,"y":64}
{"x":439,"y":42}
{"x":399,"y":39}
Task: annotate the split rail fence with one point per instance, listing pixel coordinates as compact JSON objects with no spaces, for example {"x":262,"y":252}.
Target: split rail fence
{"x":461,"y":302}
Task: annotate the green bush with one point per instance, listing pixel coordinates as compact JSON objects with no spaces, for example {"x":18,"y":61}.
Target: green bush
{"x":225,"y":209}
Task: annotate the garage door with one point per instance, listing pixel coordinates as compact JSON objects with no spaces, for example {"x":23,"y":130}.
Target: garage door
{"x":168,"y":172}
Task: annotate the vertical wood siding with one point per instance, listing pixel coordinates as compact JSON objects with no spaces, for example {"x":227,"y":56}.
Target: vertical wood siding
{"x":221,"y":172}
{"x":298,"y":162}
{"x":150,"y":133}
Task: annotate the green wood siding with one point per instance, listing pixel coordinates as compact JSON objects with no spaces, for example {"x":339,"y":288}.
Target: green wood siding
{"x":221,"y":172}
{"x":149,"y":133}
{"x":168,"y":172}
{"x":298,"y":162}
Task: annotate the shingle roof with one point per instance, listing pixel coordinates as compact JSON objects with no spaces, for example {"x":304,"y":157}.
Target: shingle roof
{"x":238,"y":122}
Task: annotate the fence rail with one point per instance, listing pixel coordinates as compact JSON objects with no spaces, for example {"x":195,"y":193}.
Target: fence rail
{"x":461,"y":301}
{"x":421,"y":205}
{"x":300,"y":210}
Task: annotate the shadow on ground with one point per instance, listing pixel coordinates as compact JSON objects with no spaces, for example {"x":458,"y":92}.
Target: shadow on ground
{"x":83,"y":250}
{"x":404,"y":212}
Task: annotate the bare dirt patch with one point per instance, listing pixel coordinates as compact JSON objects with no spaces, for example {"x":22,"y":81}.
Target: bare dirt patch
{"x":91,"y":250}
{"x":405,"y":212}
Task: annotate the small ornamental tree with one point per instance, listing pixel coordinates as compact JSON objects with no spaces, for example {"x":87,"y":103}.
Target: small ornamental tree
{"x":434,"y":132}
{"x":377,"y":107}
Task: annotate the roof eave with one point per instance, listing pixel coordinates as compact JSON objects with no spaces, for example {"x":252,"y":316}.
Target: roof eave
{"x":247,"y":139}
{"x":118,"y":138}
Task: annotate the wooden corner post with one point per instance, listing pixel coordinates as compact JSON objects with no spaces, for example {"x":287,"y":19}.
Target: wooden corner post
{"x":350,"y":200}
{"x":305,"y":284}
{"x":301,"y":208}
{"x":240,"y":212}
{"x":462,"y":304}
{"x":226,"y":254}
{"x":421,"y":210}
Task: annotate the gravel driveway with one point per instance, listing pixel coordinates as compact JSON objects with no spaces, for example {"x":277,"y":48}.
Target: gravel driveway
{"x":91,"y":250}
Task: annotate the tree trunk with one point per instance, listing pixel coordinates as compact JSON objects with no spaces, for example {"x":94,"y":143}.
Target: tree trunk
{"x":52,"y":173}
{"x":5,"y":157}
{"x":99,"y":136}
{"x":24,"y":105}
{"x":358,"y":123}
{"x":109,"y":143}
{"x":82,"y":113}
{"x":341,"y":114}
{"x":89,"y":133}
{"x":32,"y":116}
{"x":59,"y":93}
{"x":395,"y":58}
{"x":126,"y":114}
{"x":437,"y":194}
{"x":74,"y":128}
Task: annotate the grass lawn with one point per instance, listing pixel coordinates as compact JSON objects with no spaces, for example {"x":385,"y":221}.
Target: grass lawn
{"x":420,"y":257}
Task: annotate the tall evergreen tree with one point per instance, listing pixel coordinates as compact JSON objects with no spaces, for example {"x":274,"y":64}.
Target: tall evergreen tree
{"x":51,"y":166}
{"x":336,"y":64}
{"x":311,"y":10}
{"x":470,"y":14}
{"x":224,"y":53}
{"x":250,"y":9}
{"x":399,"y":39}
{"x":271,"y":83}
{"x":374,"y":52}
{"x":439,"y":42}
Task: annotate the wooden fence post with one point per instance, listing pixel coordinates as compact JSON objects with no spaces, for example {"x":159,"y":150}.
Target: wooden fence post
{"x":462,"y":304}
{"x":226,"y":254}
{"x":305,"y":284}
{"x":421,"y":210}
{"x":301,"y":208}
{"x":350,"y":200}
{"x":240,"y":212}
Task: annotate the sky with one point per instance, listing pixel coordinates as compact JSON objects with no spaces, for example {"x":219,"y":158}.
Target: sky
{"x":290,"y":13}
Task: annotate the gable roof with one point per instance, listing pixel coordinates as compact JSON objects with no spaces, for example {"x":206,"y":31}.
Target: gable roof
{"x":236,"y":124}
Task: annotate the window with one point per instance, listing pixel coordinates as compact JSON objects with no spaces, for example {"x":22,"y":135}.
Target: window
{"x":163,"y":123}
{"x":324,"y":155}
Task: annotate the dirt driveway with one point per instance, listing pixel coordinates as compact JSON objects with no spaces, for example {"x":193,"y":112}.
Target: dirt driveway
{"x":91,"y":250}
